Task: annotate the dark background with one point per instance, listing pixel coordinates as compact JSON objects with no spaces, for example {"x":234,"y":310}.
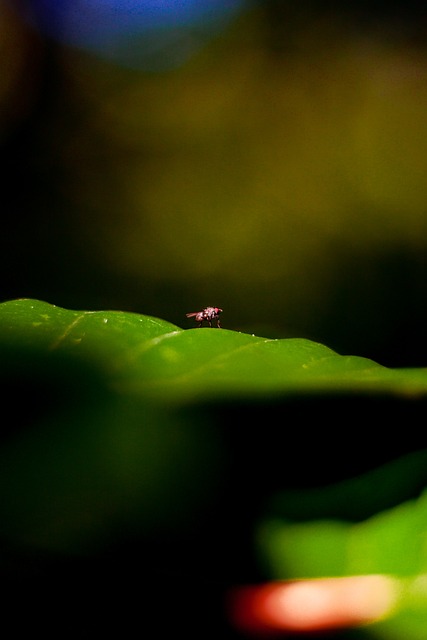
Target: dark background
{"x":274,"y":168}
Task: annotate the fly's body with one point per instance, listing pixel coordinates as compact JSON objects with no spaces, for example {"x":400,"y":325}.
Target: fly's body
{"x":206,"y":315}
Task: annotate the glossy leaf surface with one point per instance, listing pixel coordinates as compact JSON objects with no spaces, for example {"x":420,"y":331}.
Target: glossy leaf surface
{"x":146,"y":355}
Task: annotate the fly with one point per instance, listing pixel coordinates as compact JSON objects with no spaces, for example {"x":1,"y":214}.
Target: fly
{"x":209,"y":315}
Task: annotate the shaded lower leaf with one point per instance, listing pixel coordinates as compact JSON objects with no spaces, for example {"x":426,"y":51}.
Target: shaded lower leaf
{"x":391,"y":543}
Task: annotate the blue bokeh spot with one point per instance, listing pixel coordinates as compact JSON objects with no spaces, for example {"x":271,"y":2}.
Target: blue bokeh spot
{"x":148,"y":33}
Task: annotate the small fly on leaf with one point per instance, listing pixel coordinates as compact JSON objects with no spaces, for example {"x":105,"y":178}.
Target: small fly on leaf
{"x":209,"y":314}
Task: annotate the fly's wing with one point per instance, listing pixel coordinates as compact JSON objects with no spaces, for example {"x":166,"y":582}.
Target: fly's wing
{"x":191,"y":315}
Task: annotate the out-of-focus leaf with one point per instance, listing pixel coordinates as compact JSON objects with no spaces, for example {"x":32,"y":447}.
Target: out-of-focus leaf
{"x":391,"y":543}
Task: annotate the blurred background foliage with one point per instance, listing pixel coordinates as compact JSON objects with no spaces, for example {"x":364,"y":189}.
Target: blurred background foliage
{"x":268,"y":157}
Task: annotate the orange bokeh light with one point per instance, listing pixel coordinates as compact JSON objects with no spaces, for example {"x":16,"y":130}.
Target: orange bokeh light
{"x":312,"y":605}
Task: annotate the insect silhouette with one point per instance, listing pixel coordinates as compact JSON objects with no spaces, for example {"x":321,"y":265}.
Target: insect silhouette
{"x":209,"y":314}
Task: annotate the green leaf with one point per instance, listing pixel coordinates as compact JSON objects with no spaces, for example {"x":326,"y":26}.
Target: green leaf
{"x":79,"y":461}
{"x":390,"y":544}
{"x":304,"y":535}
{"x":98,"y":335}
{"x":110,"y":434}
{"x":149,"y":356}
